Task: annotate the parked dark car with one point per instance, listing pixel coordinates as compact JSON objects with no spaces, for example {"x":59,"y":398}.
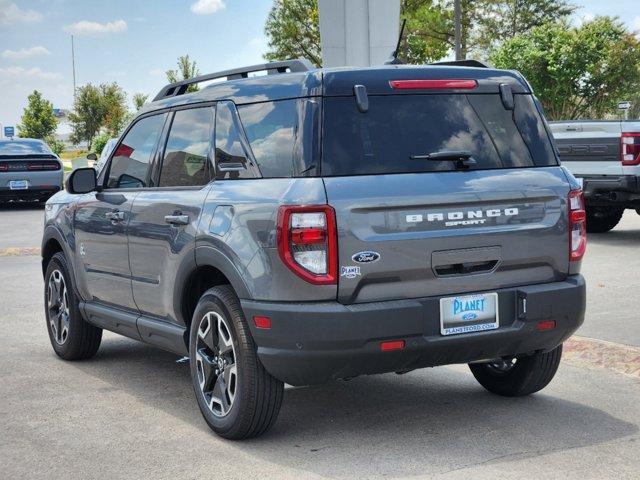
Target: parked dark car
{"x":29,"y":170}
{"x":315,"y":224}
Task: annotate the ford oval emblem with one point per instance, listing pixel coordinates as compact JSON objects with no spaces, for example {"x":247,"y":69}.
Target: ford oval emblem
{"x":366,"y":257}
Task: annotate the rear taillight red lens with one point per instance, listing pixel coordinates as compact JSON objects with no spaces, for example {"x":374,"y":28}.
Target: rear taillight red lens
{"x":630,"y":149}
{"x":433,"y":84}
{"x":577,"y":226}
{"x":4,"y":167}
{"x":307,"y":242}
{"x":44,"y":166}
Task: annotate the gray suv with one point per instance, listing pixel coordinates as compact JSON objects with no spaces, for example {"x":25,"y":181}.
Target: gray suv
{"x":310,"y":225}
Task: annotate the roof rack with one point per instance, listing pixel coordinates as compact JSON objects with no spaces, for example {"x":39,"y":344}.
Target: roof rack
{"x":272,"y":68}
{"x":463,"y":63}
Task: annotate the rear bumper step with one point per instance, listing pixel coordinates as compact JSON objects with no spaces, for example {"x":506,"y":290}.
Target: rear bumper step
{"x":311,"y":343}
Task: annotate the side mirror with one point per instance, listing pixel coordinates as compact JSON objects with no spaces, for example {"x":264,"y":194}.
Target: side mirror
{"x":82,"y":180}
{"x":92,"y":156}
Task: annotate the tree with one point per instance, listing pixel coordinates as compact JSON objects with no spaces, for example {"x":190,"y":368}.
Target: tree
{"x":576,"y":72}
{"x":38,"y":120}
{"x":186,"y":69}
{"x":114,"y":100}
{"x":293,"y":31}
{"x":501,"y":21}
{"x":98,"y":107}
{"x":139,"y":99}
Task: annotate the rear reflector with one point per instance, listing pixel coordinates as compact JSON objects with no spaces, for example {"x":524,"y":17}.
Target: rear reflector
{"x":392,"y":345}
{"x":433,"y":84}
{"x":546,"y":325}
{"x":262,"y":322}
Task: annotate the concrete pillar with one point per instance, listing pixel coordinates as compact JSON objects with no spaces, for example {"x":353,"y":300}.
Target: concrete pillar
{"x":358,"y":33}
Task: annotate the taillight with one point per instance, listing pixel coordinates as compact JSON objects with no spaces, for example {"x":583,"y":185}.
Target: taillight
{"x":630,"y":149}
{"x":4,"y":167}
{"x":433,"y":84}
{"x":44,"y":166}
{"x":307,"y":242}
{"x":577,"y":226}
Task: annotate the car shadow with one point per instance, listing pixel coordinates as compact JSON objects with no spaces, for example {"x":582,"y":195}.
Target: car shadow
{"x":16,"y":206}
{"x":429,"y":421}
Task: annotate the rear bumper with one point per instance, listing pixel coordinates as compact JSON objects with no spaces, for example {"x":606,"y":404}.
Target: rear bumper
{"x":32,"y":193}
{"x":311,"y":343}
{"x":612,"y":190}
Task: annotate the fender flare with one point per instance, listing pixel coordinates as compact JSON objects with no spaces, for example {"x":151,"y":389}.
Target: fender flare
{"x":206,"y":255}
{"x":53,"y":233}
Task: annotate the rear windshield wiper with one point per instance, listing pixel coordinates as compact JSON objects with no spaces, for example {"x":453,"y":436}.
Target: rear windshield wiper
{"x":462,"y":158}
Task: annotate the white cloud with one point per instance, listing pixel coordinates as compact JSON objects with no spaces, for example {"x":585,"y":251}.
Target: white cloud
{"x":11,"y":14}
{"x":205,"y":7}
{"x":26,"y":74}
{"x":85,"y":27}
{"x":636,"y":23}
{"x":24,"y":53}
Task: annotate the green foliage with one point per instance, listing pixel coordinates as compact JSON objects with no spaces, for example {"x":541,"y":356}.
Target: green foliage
{"x":498,"y":22}
{"x":139,"y":99}
{"x":293,"y":31}
{"x":37,"y":120}
{"x":55,"y":145}
{"x":576,"y":72}
{"x":95,"y":108}
{"x":428,"y":34}
{"x":186,"y":69}
{"x":100,"y":141}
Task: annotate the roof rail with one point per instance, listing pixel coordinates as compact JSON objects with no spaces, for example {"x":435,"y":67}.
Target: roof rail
{"x":463,"y":63}
{"x":179,"y":88}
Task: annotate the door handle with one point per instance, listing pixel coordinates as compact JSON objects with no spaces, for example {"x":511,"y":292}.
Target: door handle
{"x":177,"y":219}
{"x":115,"y":216}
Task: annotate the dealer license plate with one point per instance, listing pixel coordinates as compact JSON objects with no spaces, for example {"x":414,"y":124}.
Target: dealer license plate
{"x":18,"y":185}
{"x":469,"y":313}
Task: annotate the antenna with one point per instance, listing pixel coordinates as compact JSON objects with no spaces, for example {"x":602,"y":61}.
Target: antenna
{"x":394,"y":56}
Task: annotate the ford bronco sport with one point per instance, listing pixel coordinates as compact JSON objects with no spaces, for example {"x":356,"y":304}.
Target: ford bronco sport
{"x":318,"y":224}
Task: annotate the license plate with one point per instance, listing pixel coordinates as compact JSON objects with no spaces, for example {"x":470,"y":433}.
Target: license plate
{"x":469,"y":313}
{"x":18,"y":185}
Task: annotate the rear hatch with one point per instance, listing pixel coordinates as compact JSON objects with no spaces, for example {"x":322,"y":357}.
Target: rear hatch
{"x":589,"y":147}
{"x":411,"y":227}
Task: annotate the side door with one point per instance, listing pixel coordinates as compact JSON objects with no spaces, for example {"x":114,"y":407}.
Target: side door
{"x":165,"y":217}
{"x":102,"y":217}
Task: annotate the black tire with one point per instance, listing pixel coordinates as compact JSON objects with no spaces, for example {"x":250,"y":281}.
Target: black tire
{"x":257,"y":396}
{"x":526,"y":375}
{"x":602,"y":219}
{"x":81,"y":340}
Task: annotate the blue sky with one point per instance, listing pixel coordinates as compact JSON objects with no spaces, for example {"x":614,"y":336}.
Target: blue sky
{"x":133,"y":42}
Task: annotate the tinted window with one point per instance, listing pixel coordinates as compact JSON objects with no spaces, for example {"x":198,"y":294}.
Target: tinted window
{"x":533,"y":130}
{"x":131,"y":159}
{"x":24,"y":147}
{"x":395,"y":128}
{"x":185,"y":160}
{"x":271,"y":130}
{"x":231,"y":157}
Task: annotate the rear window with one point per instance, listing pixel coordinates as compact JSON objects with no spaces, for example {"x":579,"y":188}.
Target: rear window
{"x":397,"y":127}
{"x":17,"y":147}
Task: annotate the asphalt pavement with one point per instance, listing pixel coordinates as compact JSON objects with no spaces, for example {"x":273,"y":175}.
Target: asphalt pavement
{"x":130,"y":412}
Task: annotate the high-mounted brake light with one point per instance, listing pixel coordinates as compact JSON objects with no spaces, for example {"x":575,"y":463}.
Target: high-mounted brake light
{"x":433,"y":84}
{"x":307,"y":242}
{"x":577,"y":226}
{"x":630,"y":148}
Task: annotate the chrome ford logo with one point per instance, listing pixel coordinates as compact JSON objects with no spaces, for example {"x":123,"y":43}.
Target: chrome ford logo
{"x":469,"y":316}
{"x":366,"y":257}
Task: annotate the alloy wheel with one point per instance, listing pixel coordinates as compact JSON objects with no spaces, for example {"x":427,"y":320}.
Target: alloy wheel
{"x":58,"y":307}
{"x":216,"y":364}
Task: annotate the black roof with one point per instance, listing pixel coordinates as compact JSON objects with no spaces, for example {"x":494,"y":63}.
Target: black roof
{"x":336,"y":82}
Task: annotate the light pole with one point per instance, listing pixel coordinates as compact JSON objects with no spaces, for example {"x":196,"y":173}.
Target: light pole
{"x":458,"y":30}
{"x":73,"y":68}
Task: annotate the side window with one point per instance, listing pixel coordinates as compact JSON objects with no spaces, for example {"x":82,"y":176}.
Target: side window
{"x":271,"y":131}
{"x":231,"y":158}
{"x":185,"y":160}
{"x":131,"y":159}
